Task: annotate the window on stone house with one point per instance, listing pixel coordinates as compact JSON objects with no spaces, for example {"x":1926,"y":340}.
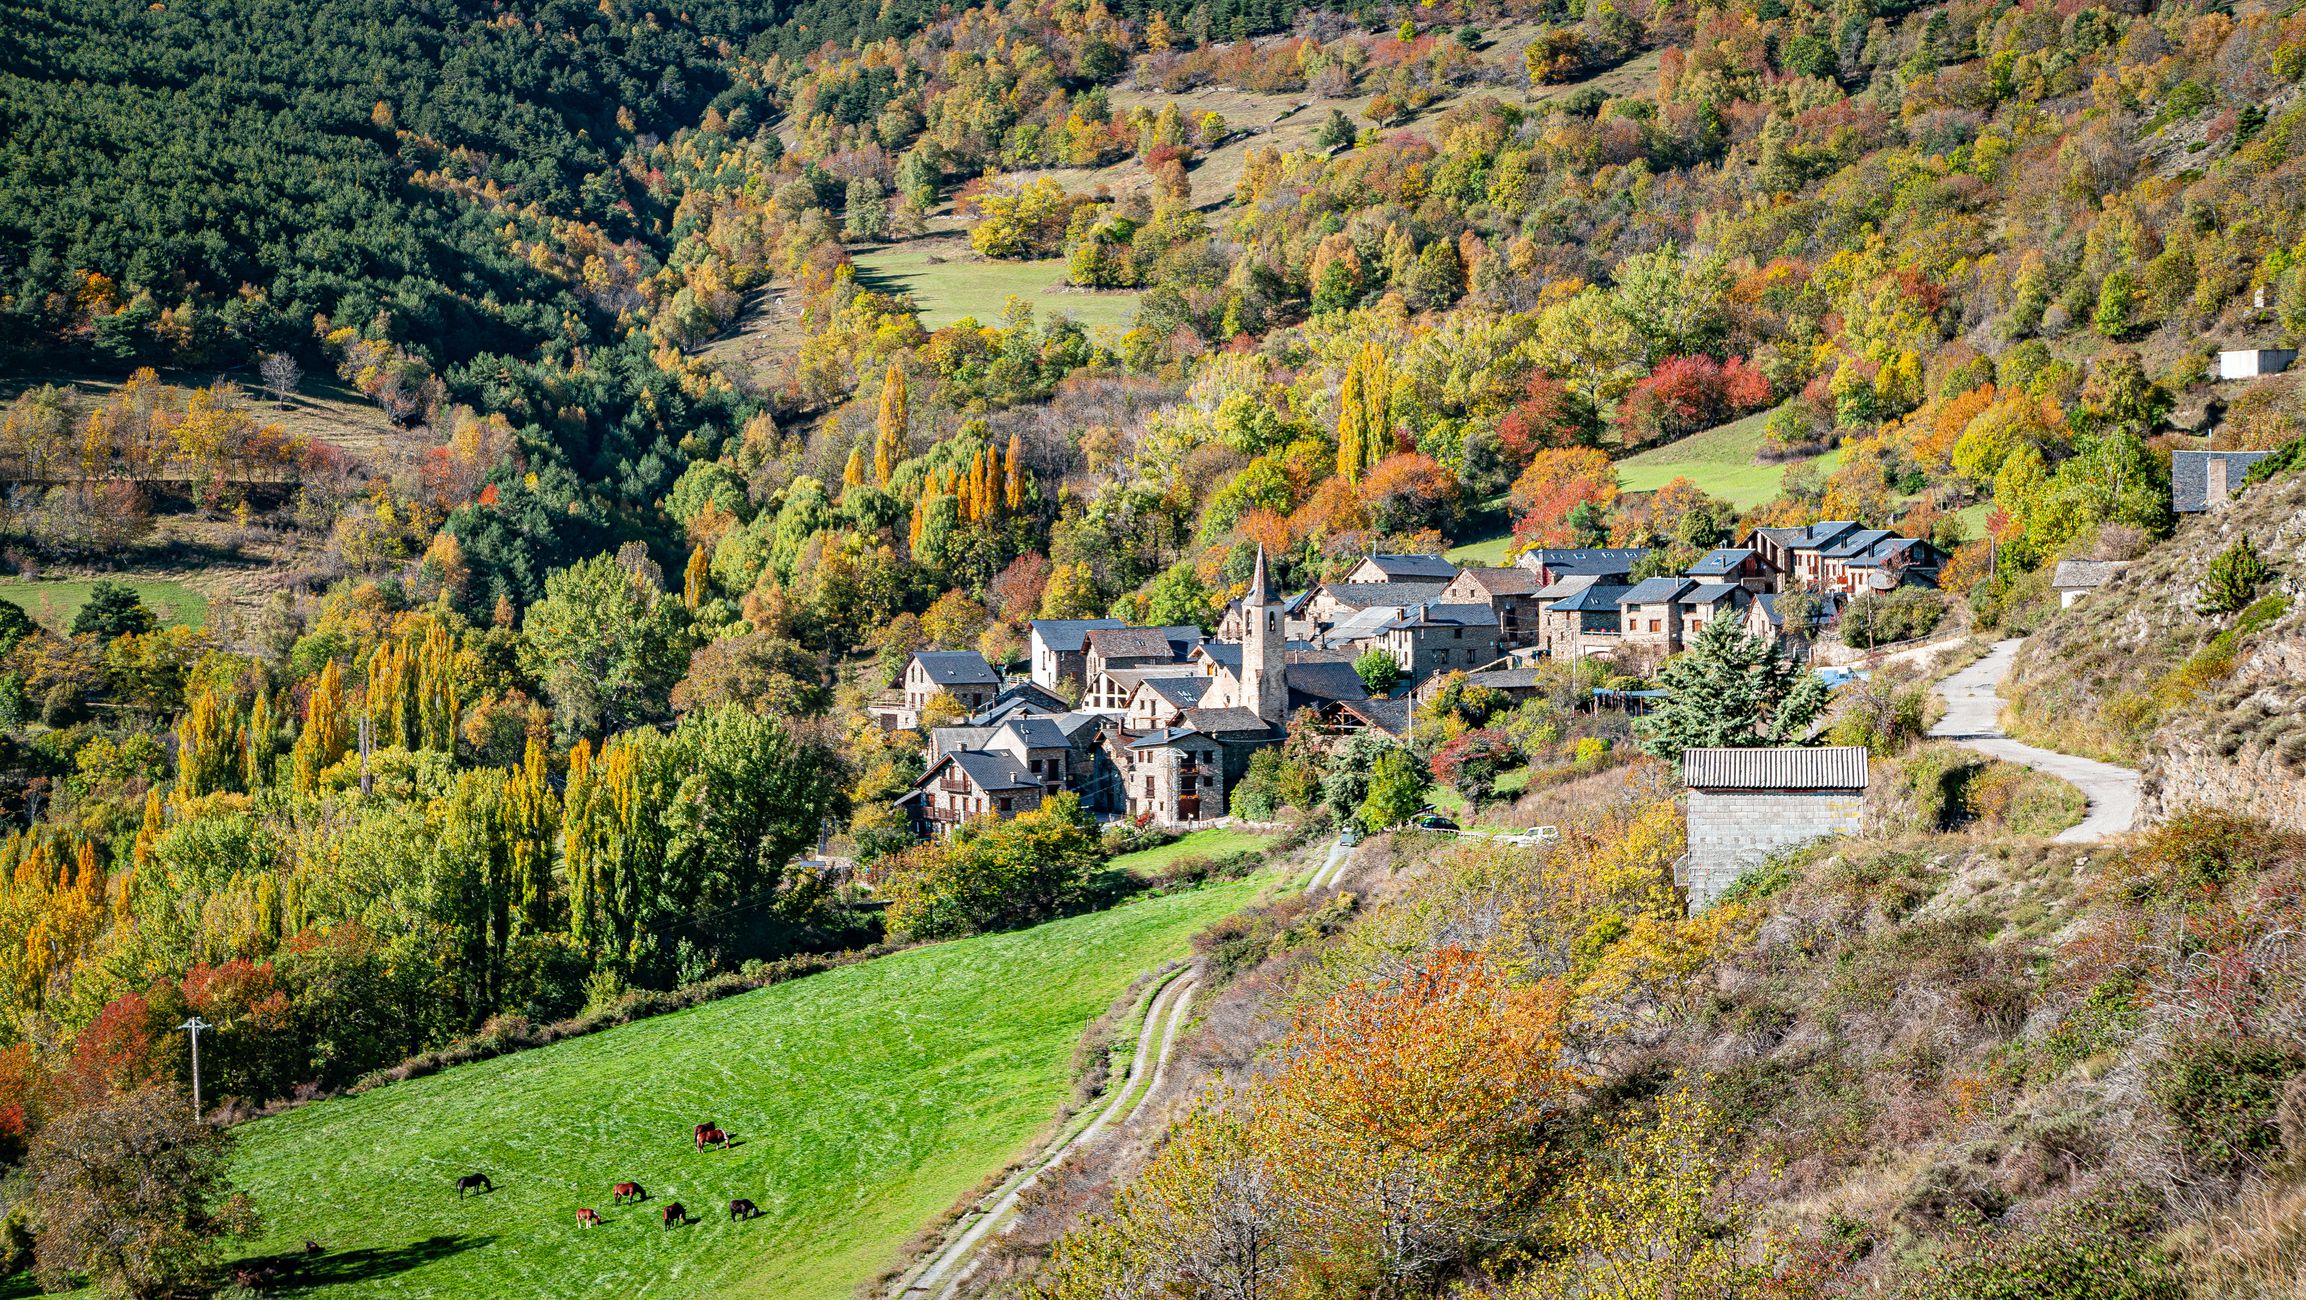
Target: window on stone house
{"x":1004,"y":803}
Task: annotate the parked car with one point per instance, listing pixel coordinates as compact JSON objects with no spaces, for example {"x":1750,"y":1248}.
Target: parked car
{"x":1432,"y":822}
{"x":1350,"y":836}
{"x":1534,"y":836}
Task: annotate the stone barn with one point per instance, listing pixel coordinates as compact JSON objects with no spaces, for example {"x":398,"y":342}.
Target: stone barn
{"x":1747,"y":804}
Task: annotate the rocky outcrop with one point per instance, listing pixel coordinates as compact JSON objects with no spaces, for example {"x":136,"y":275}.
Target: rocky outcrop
{"x":2243,"y":748}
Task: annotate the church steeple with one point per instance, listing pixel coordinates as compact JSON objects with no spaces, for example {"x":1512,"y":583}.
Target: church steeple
{"x":1264,"y":657}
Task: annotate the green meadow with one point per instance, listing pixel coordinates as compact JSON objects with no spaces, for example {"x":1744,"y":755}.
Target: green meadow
{"x":864,"y":1101}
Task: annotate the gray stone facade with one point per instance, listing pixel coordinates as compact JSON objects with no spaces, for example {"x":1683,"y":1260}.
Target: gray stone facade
{"x":1734,"y":831}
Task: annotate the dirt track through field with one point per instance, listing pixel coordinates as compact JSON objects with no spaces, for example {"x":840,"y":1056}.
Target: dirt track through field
{"x":948,"y":1268}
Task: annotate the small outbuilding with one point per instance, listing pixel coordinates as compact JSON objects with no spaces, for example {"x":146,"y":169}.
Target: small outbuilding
{"x":2252,"y":363}
{"x":1747,"y":804}
{"x":2074,"y":579}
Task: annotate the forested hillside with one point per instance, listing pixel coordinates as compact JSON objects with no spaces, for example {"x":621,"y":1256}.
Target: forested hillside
{"x":558,"y":686}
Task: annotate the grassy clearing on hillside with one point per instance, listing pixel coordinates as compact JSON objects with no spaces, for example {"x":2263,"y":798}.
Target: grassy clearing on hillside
{"x":864,"y":1101}
{"x":322,"y":408}
{"x":1488,"y":552}
{"x":1720,"y":460}
{"x":1216,"y":842}
{"x":948,"y":282}
{"x":52,"y":602}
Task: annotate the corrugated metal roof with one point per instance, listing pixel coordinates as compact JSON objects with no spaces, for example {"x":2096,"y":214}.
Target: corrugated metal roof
{"x":1832,"y":767}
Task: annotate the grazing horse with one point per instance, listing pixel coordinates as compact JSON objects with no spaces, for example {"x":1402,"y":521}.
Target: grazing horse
{"x":473,"y":1183}
{"x":741,"y":1208}
{"x":676,"y":1215}
{"x":711,"y":1137}
{"x":588,"y":1218}
{"x":700,"y":1130}
{"x":628,"y":1192}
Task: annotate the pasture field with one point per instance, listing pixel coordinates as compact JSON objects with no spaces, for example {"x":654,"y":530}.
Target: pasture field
{"x":864,"y":1102}
{"x":949,"y":281}
{"x":1720,"y":460}
{"x":52,"y":602}
{"x":1215,"y":842}
{"x":1486,"y":552}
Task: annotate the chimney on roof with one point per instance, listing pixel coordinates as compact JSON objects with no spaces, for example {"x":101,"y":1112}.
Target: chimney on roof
{"x":2214,"y":491}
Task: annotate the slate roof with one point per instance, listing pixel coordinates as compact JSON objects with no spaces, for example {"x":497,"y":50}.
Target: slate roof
{"x":1512,"y":580}
{"x":1436,"y":614}
{"x":956,"y":667}
{"x":1829,"y":603}
{"x":1720,"y":560}
{"x":1000,"y":711}
{"x":1504,"y":679}
{"x":1310,"y":683}
{"x":1224,"y":722}
{"x":1073,"y":724}
{"x":2190,"y":476}
{"x":1598,"y":598}
{"x":1831,"y":767}
{"x":1810,"y":538}
{"x":1162,"y":737}
{"x":992,"y":771}
{"x":1563,"y":587}
{"x":1387,"y":715}
{"x":1132,"y":678}
{"x":1070,"y":635}
{"x":1653,"y":591}
{"x":1709,"y":593}
{"x":1184,"y":692}
{"x":1397,"y":568}
{"x":1858,"y":543}
{"x":1132,"y":643}
{"x":946,"y":740}
{"x":1597,"y":560}
{"x":1365,"y":595}
{"x":1883,"y":550}
{"x":1363,"y":624}
{"x":1037,"y":733}
{"x":2085,"y":575}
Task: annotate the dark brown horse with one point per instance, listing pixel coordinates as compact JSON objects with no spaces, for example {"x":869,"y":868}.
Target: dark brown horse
{"x":628,"y":1192}
{"x":473,"y":1183}
{"x":700,"y":1130}
{"x":588,"y":1218}
{"x":711,"y":1137}
{"x":676,"y":1215}
{"x":741,"y":1208}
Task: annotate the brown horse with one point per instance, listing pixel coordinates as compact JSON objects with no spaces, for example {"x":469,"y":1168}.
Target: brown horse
{"x":712,"y":1137}
{"x":588,"y":1218}
{"x":628,"y":1192}
{"x":700,"y":1130}
{"x":473,"y":1183}
{"x":741,"y":1208}
{"x":676,"y":1215}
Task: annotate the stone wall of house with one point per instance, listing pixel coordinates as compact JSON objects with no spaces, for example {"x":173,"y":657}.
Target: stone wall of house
{"x":1731,"y":833}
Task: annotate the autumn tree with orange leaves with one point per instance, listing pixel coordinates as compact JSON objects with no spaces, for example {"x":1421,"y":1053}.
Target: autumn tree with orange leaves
{"x":1401,"y":1133}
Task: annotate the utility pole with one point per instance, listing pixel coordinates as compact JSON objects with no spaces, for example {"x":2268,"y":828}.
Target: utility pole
{"x":193,"y":1027}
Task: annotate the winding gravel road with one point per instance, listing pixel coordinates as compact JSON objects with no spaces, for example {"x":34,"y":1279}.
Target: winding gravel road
{"x":1973,"y":718}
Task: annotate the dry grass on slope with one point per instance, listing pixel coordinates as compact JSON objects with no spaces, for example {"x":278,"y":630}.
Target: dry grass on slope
{"x":2108,"y":676}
